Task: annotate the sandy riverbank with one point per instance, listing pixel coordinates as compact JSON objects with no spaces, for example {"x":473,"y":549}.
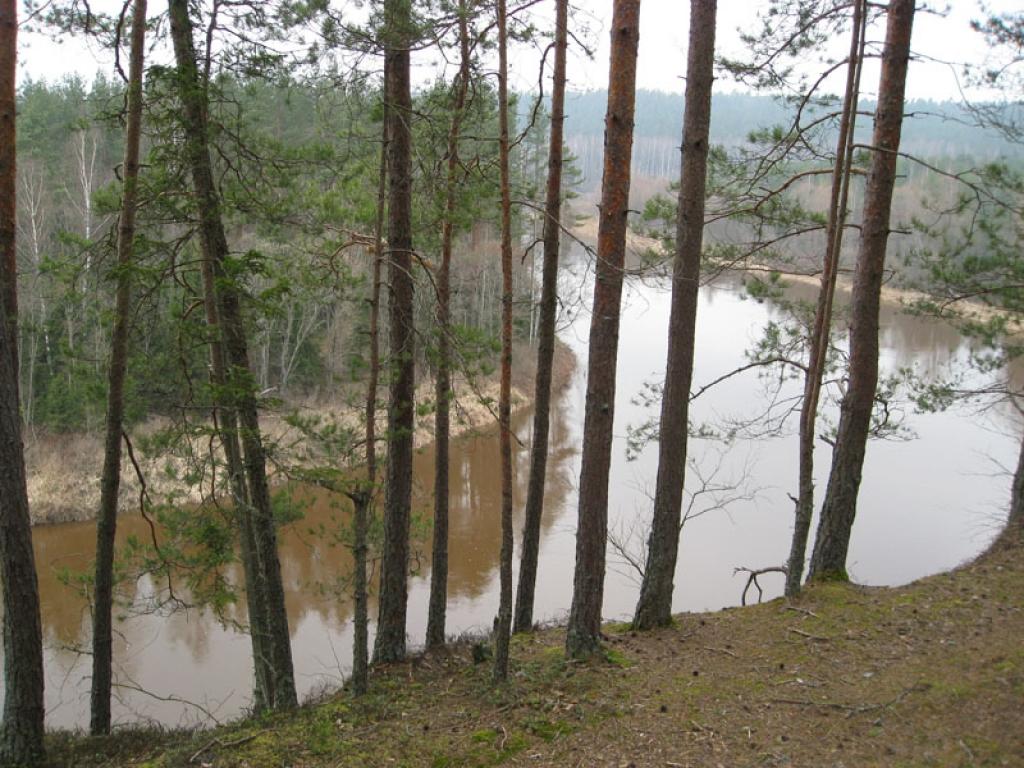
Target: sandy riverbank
{"x":637,"y":245}
{"x":64,"y":469}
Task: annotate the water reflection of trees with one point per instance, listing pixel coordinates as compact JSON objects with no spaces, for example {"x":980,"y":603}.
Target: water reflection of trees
{"x":314,"y":560}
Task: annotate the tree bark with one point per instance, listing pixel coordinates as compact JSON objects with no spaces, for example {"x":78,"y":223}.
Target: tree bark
{"x":443,"y":383}
{"x":504,"y":622}
{"x":584,"y":631}
{"x":655,"y":605}
{"x":1014,"y":530}
{"x":545,"y":334}
{"x":363,"y":502}
{"x":822,"y":329}
{"x":9,"y":176}
{"x":21,"y":735}
{"x":840,"y":505}
{"x":110,"y":481}
{"x":225,"y":419}
{"x":239,"y":384}
{"x":394,"y":595}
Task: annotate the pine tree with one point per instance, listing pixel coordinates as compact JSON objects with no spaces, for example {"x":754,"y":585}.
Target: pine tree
{"x":552,"y":231}
{"x":394,"y":585}
{"x":840,"y":505}
{"x":239,"y":390}
{"x":110,"y":482}
{"x":21,"y":735}
{"x":583,"y":634}
{"x":503,"y":625}
{"x":655,"y":605}
{"x":443,"y":383}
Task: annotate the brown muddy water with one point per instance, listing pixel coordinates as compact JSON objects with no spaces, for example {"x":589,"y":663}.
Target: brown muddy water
{"x":927,"y":504}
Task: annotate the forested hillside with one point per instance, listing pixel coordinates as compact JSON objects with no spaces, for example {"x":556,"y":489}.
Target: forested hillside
{"x":946,"y":131}
{"x":300,"y":197}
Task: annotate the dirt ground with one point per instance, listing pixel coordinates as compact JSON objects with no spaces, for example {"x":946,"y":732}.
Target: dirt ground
{"x":930,"y":674}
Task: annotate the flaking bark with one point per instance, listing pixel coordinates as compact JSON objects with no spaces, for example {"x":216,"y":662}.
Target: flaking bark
{"x":545,"y":335}
{"x":840,"y":505}
{"x":110,"y":481}
{"x":394,"y":587}
{"x":583,"y":635}
{"x":655,"y":605}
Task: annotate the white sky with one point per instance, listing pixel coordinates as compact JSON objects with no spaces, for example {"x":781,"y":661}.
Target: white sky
{"x":663,"y":36}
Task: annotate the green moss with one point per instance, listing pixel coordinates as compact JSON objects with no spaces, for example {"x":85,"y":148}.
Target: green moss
{"x":617,"y":627}
{"x":836,"y":575}
{"x":617,"y":658}
{"x":548,"y":730}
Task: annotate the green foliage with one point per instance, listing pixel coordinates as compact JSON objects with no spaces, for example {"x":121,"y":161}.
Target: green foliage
{"x":970,"y":274}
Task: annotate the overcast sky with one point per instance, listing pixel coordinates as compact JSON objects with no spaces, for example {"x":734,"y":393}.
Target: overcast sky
{"x":947,"y":41}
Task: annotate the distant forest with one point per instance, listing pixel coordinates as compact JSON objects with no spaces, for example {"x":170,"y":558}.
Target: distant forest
{"x":938,"y":129}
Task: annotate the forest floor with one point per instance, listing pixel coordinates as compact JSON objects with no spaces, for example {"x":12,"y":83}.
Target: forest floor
{"x":929,"y":674}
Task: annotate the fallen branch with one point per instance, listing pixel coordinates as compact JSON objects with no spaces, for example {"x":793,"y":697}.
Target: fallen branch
{"x":808,"y":635}
{"x":852,"y":709}
{"x":222,"y":745}
{"x":752,"y":579}
{"x":726,"y":651}
{"x":135,"y":687}
{"x":804,"y":611}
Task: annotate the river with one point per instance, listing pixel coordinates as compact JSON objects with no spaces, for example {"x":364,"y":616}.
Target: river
{"x":926,"y":505}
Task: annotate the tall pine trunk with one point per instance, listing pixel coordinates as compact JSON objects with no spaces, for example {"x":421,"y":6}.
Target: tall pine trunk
{"x":443,"y":383}
{"x":239,"y":389}
{"x":110,"y":481}
{"x":504,"y":623}
{"x":225,"y":421}
{"x":583,"y":635}
{"x":840,"y":506}
{"x":363,"y":501}
{"x":545,"y":334}
{"x":21,"y":735}
{"x":821,"y":331}
{"x":655,"y":605}
{"x":394,"y":584}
